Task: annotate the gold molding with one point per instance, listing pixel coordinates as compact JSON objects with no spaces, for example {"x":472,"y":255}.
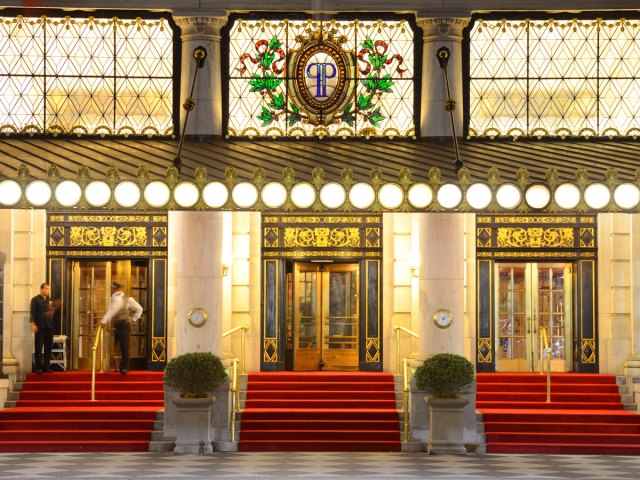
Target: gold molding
{"x":323,"y":253}
{"x":583,"y":347}
{"x":109,"y":218}
{"x":270,"y":342}
{"x":488,"y":358}
{"x":531,"y":219}
{"x":90,"y":236}
{"x":375,"y":343}
{"x":162,"y":343}
{"x":535,"y":238}
{"x":321,"y":237}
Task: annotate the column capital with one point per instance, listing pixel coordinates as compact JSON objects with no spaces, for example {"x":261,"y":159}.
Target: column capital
{"x":200,"y":28}
{"x":442,"y":29}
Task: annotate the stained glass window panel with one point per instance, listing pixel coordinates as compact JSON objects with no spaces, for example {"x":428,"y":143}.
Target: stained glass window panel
{"x":86,"y":75}
{"x":573,"y":77}
{"x":321,"y":78}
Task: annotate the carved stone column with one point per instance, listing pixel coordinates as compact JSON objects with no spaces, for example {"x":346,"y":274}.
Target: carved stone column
{"x":632,"y":365}
{"x":206,"y":117}
{"x":434,"y":118}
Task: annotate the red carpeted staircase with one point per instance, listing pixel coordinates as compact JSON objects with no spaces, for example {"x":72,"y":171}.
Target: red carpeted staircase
{"x":585,"y":415}
{"x":320,"y":411}
{"x":55,"y":413}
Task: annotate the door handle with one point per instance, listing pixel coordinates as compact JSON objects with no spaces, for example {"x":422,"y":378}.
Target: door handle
{"x":535,"y":324}
{"x":528,"y":324}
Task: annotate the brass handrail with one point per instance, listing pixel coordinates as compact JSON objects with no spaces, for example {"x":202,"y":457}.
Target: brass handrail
{"x":398,"y":329}
{"x":243,"y":328}
{"x":235,"y":398}
{"x":93,"y":361}
{"x":544,"y":346}
{"x":405,"y":399}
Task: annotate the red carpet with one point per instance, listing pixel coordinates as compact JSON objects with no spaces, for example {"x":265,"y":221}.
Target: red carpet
{"x":55,"y":413}
{"x":585,"y":415}
{"x":320,"y":411}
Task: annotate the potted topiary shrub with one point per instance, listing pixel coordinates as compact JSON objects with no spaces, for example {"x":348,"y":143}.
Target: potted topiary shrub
{"x":444,"y":376}
{"x":194,"y":375}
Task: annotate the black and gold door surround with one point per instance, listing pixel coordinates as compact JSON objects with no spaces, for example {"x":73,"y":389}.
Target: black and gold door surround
{"x":522,"y":238}
{"x":104,"y":236}
{"x":287,"y":240}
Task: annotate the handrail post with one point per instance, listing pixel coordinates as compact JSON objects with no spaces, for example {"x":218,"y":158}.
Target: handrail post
{"x":405,"y":399}
{"x":548,"y":375}
{"x":93,"y":362}
{"x":234,"y":387}
{"x":243,"y":363}
{"x":398,"y":351}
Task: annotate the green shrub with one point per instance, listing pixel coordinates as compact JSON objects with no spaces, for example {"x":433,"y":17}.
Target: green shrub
{"x":194,"y":374}
{"x":444,"y":375}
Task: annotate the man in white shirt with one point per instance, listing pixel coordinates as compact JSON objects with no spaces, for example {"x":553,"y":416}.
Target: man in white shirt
{"x":120,"y":310}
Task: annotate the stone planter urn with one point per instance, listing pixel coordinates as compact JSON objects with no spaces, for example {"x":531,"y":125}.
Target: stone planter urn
{"x":446,"y":420}
{"x":193,"y":420}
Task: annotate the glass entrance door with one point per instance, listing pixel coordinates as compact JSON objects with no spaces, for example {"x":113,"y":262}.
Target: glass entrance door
{"x":326,"y":317}
{"x":530,"y":298}
{"x":91,"y":298}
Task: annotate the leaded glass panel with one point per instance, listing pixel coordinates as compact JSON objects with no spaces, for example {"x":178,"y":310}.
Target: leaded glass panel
{"x":86,"y":76}
{"x":571,"y":77}
{"x":321,"y":78}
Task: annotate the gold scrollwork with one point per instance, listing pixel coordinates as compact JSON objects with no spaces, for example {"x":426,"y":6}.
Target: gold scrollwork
{"x":56,"y":218}
{"x":270,"y":344}
{"x":158,"y":349}
{"x":541,"y":219}
{"x":485,"y":343}
{"x":321,"y":237}
{"x":527,"y":254}
{"x":483,"y":220}
{"x":324,"y":219}
{"x":373,"y":350}
{"x":108,"y":237}
{"x":535,"y":238}
{"x":588,"y":351}
{"x":323,"y":253}
{"x":108,"y":218}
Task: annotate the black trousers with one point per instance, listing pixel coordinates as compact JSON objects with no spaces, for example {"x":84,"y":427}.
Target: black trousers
{"x":43,"y":338}
{"x":123,"y":331}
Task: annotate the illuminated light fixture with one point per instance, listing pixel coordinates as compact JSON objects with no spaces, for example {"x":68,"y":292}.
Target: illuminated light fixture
{"x":537,"y":196}
{"x":333,"y":195}
{"x":38,"y":193}
{"x":127,"y":194}
{"x":97,"y":193}
{"x":626,"y":195}
{"x":479,"y":196}
{"x":274,"y":195}
{"x":567,"y":196}
{"x":157,"y":194}
{"x":244,"y":195}
{"x":597,"y":196}
{"x":362,"y":195}
{"x":215,"y":194}
{"x":391,"y":196}
{"x":303,"y":195}
{"x":68,"y":193}
{"x":420,"y":195}
{"x":508,"y":196}
{"x":10,"y":192}
{"x":186,"y":194}
{"x":449,"y":195}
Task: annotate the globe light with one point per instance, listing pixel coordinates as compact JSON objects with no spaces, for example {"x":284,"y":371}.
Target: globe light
{"x":420,"y":195}
{"x":537,"y":196}
{"x":303,"y":195}
{"x":333,"y":195}
{"x":127,"y":194}
{"x":508,"y":196}
{"x":244,"y":195}
{"x":97,"y":193}
{"x":362,"y":195}
{"x":627,"y":196}
{"x":38,"y":193}
{"x":215,"y":194}
{"x":391,"y":196}
{"x":449,"y":195}
{"x":10,"y":192}
{"x":597,"y":196}
{"x":567,"y":196}
{"x":479,"y":196}
{"x":157,"y":194}
{"x":186,"y":194}
{"x":274,"y":195}
{"x":68,"y":193}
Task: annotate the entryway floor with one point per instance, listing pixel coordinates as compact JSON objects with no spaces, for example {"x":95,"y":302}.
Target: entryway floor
{"x":313,"y":465}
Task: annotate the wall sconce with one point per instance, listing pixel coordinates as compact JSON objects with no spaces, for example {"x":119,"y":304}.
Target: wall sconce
{"x":415,"y":271}
{"x":414,"y":265}
{"x":225,"y":270}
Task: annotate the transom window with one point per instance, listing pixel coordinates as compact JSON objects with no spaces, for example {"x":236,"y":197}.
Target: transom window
{"x":573,"y":77}
{"x":307,"y":77}
{"x":63,"y":75}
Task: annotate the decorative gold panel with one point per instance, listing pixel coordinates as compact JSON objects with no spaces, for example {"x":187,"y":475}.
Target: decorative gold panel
{"x":484,"y":344}
{"x":372,"y":237}
{"x":535,"y":238}
{"x":587,"y":238}
{"x":109,"y":219}
{"x":530,"y":254}
{"x":270,"y":345}
{"x":270,"y":237}
{"x":158,"y":349}
{"x":373,"y":350}
{"x":321,"y":237}
{"x":483,"y":237}
{"x":159,"y":236}
{"x":108,"y":237}
{"x":529,"y":219}
{"x":56,"y":236}
{"x":323,"y":253}
{"x":588,"y":351}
